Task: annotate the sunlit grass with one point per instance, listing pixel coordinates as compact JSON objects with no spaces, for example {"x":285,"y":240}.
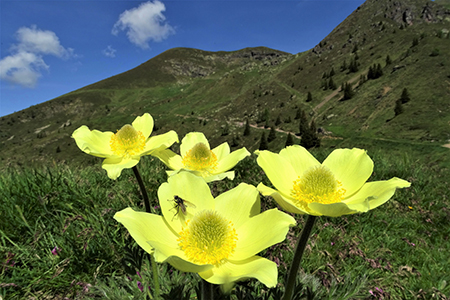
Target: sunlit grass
{"x":397,"y":251}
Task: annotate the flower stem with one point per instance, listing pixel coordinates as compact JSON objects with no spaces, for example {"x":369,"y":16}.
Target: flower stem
{"x":300,"y":248}
{"x":207,"y":290}
{"x":143,"y":191}
{"x":155,"y":276}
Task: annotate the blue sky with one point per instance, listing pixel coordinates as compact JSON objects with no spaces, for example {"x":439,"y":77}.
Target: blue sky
{"x":49,"y":48}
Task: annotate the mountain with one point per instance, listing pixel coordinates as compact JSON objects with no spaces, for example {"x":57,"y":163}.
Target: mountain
{"x":402,"y":44}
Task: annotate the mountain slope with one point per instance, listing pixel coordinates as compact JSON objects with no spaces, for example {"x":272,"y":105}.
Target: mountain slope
{"x":215,"y":92}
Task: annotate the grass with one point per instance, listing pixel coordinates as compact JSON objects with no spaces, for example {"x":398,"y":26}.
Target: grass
{"x":397,"y":251}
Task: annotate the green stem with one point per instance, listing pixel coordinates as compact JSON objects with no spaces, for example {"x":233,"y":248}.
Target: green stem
{"x":143,"y":191}
{"x":295,"y":266}
{"x":155,"y":276}
{"x":207,"y":290}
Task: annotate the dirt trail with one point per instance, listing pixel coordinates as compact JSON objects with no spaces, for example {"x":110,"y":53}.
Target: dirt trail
{"x":446,"y":145}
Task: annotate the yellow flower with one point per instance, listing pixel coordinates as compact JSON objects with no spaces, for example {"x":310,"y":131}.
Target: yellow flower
{"x":334,"y":188}
{"x":122,"y":150}
{"x":196,"y":157}
{"x":218,"y":238}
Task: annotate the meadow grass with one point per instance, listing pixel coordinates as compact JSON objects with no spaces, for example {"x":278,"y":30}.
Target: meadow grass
{"x":396,"y":251}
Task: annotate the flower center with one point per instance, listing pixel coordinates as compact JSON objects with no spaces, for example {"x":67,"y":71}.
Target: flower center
{"x":208,"y":238}
{"x":317,"y":185}
{"x":200,"y":158}
{"x":127,"y":141}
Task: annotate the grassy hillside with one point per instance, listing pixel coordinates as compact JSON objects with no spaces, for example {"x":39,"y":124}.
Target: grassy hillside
{"x":215,"y":92}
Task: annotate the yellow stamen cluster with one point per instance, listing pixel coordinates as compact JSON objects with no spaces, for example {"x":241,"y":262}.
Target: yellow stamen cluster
{"x":200,"y":158}
{"x":208,"y":238}
{"x":317,"y":185}
{"x":127,"y":141}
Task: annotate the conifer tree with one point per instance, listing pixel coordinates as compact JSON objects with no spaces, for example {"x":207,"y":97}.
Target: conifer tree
{"x":298,"y":114}
{"x":331,"y":84}
{"x":263,"y":145}
{"x":309,"y":97}
{"x":247,"y":128}
{"x":310,"y":138}
{"x":398,"y":109}
{"x":272,"y":134}
{"x":388,"y":60}
{"x":332,"y":72}
{"x":348,"y":91}
{"x":278,"y":120}
{"x":303,"y":124}
{"x":404,"y":98}
{"x":289,"y":140}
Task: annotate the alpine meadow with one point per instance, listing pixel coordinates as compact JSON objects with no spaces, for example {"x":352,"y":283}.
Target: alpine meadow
{"x":255,"y":174}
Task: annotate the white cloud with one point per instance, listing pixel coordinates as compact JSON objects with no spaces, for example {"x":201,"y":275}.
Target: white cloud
{"x":109,"y":51}
{"x":26,"y":62}
{"x":144,"y":23}
{"x":22,"y":68}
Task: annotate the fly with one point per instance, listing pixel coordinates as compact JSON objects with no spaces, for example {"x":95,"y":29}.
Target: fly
{"x":181,"y":204}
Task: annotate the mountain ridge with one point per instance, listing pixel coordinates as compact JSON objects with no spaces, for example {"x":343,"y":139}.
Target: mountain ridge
{"x":214,"y":91}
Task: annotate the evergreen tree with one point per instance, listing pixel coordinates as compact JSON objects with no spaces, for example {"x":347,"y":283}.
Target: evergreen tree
{"x":263,"y":145}
{"x":331,"y":84}
{"x":247,"y":128}
{"x":398,"y":109}
{"x":353,"y":67}
{"x":332,"y":72}
{"x":309,"y":97}
{"x":348,"y":91}
{"x":404,"y":98}
{"x":278,"y":120}
{"x":289,"y":140}
{"x":310,"y":138}
{"x":388,"y":60}
{"x":298,"y":114}
{"x":272,"y":134}
{"x":303,"y":124}
{"x":344,"y":66}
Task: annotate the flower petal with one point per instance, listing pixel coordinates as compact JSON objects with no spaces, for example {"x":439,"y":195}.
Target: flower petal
{"x":278,"y":170}
{"x":144,"y":227}
{"x":351,"y":167}
{"x":282,"y":200}
{"x":115,"y":165}
{"x":160,"y":142}
{"x":330,"y":210}
{"x":376,"y":193}
{"x":188,"y":187}
{"x":221,"y":151}
{"x":254,"y":267}
{"x":231,"y":160}
{"x":144,"y":124}
{"x":190,"y":140}
{"x":229,"y":175}
{"x":239,"y":204}
{"x":299,"y":158}
{"x":93,"y":142}
{"x":169,"y":158}
{"x":184,"y":265}
{"x":260,"y":232}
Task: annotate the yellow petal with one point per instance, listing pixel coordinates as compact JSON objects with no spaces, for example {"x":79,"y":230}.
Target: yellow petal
{"x":278,"y":170}
{"x":239,"y":204}
{"x":376,"y":193}
{"x":188,"y":187}
{"x":351,"y":168}
{"x":229,"y":175}
{"x":284,"y":201}
{"x":160,"y":142}
{"x":330,"y":210}
{"x":144,"y":124}
{"x":190,"y":140}
{"x":231,"y":160}
{"x":184,"y":265}
{"x":260,"y":232}
{"x":169,"y":158}
{"x":115,"y":165}
{"x":144,"y":227}
{"x":93,"y":142}
{"x":299,"y":158}
{"x":257,"y":267}
{"x":221,"y":151}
